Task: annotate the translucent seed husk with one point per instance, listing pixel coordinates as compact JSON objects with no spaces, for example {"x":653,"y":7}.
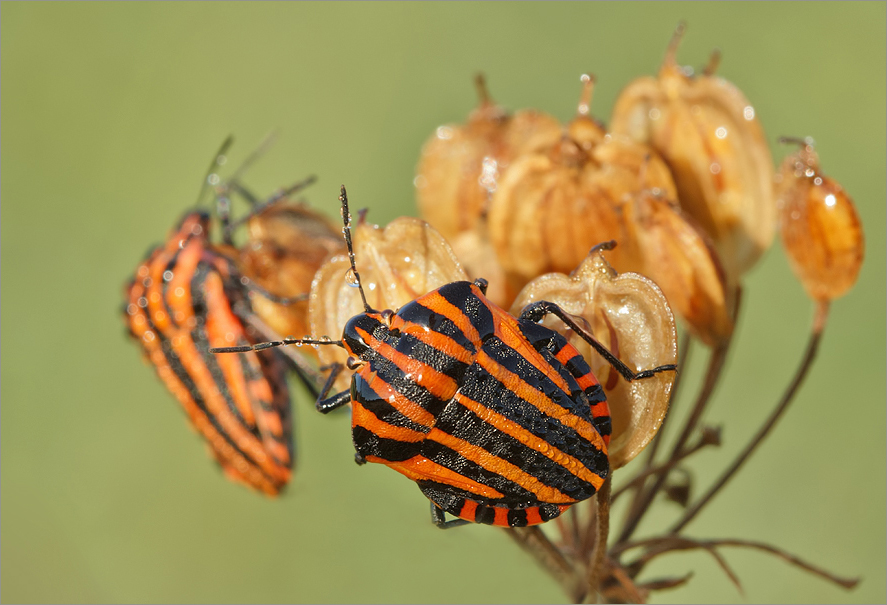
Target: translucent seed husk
{"x":630,"y":316}
{"x":709,"y":135}
{"x":821,"y":231}
{"x":397,"y":264}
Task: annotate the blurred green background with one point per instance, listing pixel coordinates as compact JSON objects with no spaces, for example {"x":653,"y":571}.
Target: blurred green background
{"x":110,"y":115}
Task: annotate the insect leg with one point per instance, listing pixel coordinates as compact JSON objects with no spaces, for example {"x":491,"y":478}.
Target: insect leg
{"x":326,"y":404}
{"x":540,"y":309}
{"x":438,"y":517}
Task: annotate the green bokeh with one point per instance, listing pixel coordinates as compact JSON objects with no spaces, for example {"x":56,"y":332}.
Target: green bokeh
{"x":110,"y":114}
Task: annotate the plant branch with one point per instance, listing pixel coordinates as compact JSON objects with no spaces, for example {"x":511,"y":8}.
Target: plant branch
{"x":819,"y":322}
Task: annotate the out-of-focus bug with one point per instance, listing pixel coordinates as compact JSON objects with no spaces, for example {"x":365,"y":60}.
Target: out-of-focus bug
{"x":498,"y":419}
{"x":181,"y":303}
{"x":190,"y":295}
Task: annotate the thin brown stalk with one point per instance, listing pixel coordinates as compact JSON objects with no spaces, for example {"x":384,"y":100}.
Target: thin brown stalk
{"x":656,"y":470}
{"x":662,"y":545}
{"x":534,"y":541}
{"x":715,"y":365}
{"x":819,"y":322}
{"x":599,"y":559}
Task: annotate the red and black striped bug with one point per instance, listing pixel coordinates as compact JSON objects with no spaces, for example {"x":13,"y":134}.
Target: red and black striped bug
{"x":498,"y":419}
{"x":180,"y":304}
{"x":189,"y":296}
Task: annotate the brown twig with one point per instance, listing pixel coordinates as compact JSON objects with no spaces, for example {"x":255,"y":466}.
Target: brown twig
{"x":599,"y":559}
{"x":662,"y":545}
{"x":534,"y":541}
{"x":819,"y":322}
{"x":656,"y":470}
{"x":715,"y":365}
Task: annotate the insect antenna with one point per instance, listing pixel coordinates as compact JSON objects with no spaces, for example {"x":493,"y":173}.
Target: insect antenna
{"x":219,"y":159}
{"x":346,"y":217}
{"x":278,"y":343}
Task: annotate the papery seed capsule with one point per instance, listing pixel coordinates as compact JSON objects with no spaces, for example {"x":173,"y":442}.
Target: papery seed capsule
{"x":460,"y":166}
{"x":404,"y":260}
{"x":627,"y":313}
{"x":820,"y":228}
{"x":287,"y":244}
{"x":553,"y":206}
{"x":707,"y":132}
{"x":679,"y":257}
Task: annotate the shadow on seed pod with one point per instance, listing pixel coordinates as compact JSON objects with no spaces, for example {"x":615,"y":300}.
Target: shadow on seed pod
{"x":460,"y":166}
{"x":287,"y":244}
{"x":679,"y":257}
{"x":397,"y":264}
{"x":820,"y":229}
{"x":552,"y":206}
{"x":629,"y":315}
{"x":708,"y":133}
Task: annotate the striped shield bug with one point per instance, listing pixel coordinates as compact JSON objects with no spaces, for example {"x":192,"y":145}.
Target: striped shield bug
{"x":188,"y":296}
{"x":498,"y":419}
{"x":181,"y":303}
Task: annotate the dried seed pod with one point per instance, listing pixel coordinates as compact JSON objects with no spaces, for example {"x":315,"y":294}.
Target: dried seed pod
{"x":397,"y":264}
{"x":681,"y":260}
{"x":629,"y":315}
{"x":820,"y":228}
{"x":460,"y":166}
{"x":553,"y":206}
{"x":708,"y":133}
{"x":475,"y":251}
{"x":287,"y":244}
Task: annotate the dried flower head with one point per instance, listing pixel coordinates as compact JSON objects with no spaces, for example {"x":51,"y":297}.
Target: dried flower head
{"x":460,"y":166}
{"x":681,"y":260}
{"x":630,"y":316}
{"x":552,"y":206}
{"x":820,"y":228}
{"x":397,"y":264}
{"x":709,"y":134}
{"x":287,"y":244}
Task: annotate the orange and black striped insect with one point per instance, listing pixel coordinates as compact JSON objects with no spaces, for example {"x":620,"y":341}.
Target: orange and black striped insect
{"x":189,"y":296}
{"x":186,"y":297}
{"x":498,"y":419}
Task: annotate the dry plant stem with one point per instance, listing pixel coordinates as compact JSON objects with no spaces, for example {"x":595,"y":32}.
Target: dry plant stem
{"x":599,"y":559}
{"x":819,"y":321}
{"x":534,"y":541}
{"x":715,"y":365}
{"x":638,"y":480}
{"x":659,"y":546}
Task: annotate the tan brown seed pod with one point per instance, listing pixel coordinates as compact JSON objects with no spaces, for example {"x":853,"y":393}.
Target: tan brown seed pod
{"x":820,"y":228}
{"x":287,"y":244}
{"x":709,"y":134}
{"x":679,"y":257}
{"x":460,"y":166}
{"x":552,"y":206}
{"x":397,"y":264}
{"x":629,"y":315}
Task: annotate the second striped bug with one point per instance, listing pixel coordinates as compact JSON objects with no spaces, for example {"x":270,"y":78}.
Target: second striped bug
{"x":498,"y":419}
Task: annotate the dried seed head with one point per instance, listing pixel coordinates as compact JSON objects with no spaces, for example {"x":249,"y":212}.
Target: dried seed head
{"x":820,"y":228}
{"x":287,"y":244}
{"x":683,"y":263}
{"x":475,"y":251}
{"x":708,"y":133}
{"x":553,"y":206}
{"x":629,"y":315}
{"x":460,"y":166}
{"x":397,"y":264}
